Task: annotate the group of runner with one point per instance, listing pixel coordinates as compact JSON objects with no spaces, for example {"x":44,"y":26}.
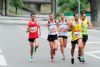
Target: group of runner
{"x":58,"y":30}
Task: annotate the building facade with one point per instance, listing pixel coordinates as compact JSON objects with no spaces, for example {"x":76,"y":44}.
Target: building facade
{"x":40,"y":6}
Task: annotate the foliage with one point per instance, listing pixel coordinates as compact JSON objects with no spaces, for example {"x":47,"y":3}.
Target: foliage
{"x":16,"y":3}
{"x":68,"y":6}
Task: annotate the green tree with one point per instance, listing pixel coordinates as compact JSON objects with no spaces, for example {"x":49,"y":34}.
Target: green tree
{"x":71,"y":5}
{"x":17,"y":4}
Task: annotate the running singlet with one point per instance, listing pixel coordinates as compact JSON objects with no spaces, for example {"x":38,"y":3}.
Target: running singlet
{"x":63,"y":29}
{"x":76,"y":32}
{"x":33,"y":29}
{"x":52,"y":27}
{"x":85,"y":27}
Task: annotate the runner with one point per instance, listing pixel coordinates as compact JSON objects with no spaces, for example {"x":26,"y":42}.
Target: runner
{"x":63,"y":34}
{"x":85,"y":25}
{"x":33,"y":30}
{"x":76,"y":28}
{"x":52,"y":36}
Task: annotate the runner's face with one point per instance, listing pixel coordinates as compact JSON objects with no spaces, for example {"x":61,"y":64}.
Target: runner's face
{"x":51,"y":16}
{"x":62,"y":16}
{"x":76,"y":17}
{"x":83,"y":16}
{"x":33,"y":17}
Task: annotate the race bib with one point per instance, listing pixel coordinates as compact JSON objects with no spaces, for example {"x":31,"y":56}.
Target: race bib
{"x":63,"y":30}
{"x":52,"y":30}
{"x":33,"y":29}
{"x":76,"y":34}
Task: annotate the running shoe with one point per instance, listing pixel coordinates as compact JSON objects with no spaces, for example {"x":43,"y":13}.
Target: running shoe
{"x":63,"y":57}
{"x":83,"y":60}
{"x":79,"y":58}
{"x":72,"y":60}
{"x":52,"y":59}
{"x":31,"y":59}
{"x":35,"y":49}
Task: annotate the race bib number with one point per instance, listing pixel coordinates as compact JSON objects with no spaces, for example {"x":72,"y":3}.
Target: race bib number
{"x":33,"y":29}
{"x":52,"y":30}
{"x":63,"y":30}
{"x":76,"y":34}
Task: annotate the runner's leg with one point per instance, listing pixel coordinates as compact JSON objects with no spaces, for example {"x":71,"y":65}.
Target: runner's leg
{"x":51,"y":50}
{"x":55,"y":46}
{"x":61,"y":45}
{"x":31,"y":51}
{"x":36,"y":44}
{"x":65,"y":42}
{"x":80,"y":46}
{"x":73,"y":45}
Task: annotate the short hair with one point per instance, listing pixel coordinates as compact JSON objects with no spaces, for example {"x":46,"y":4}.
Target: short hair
{"x":83,"y":12}
{"x":51,"y":13}
{"x":33,"y":13}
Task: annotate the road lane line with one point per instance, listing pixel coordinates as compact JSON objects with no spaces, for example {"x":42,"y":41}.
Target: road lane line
{"x":0,"y":51}
{"x":94,"y":52}
{"x":90,"y":37}
{"x":93,"y":42}
{"x":2,"y":61}
{"x":98,"y":31}
{"x":92,"y":55}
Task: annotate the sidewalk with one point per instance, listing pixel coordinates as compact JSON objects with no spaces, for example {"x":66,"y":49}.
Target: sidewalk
{"x":22,"y":19}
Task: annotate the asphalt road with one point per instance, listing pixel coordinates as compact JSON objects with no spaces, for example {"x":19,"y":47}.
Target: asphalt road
{"x":14,"y":49}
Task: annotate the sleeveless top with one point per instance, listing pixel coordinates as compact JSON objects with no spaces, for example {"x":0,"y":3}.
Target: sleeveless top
{"x":76,"y":31}
{"x":33,"y":26}
{"x":63,"y":29}
{"x":85,"y":27}
{"x":52,"y":27}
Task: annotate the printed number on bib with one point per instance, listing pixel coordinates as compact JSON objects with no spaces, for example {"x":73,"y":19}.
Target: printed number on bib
{"x":76,"y":34}
{"x":33,"y":29}
{"x":52,"y":30}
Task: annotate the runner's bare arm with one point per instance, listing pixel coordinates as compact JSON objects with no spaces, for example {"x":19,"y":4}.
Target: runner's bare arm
{"x":70,"y":26}
{"x":27,"y":30}
{"x":46,"y":25}
{"x":39,"y":28}
{"x":57,"y":23}
{"x":90,"y":25}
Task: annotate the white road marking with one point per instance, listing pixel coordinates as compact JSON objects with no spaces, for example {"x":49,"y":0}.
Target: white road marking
{"x":94,"y":52}
{"x":98,"y":31}
{"x":93,"y":42}
{"x":0,"y":51}
{"x":94,"y":38}
{"x":2,"y":61}
{"x":92,"y":55}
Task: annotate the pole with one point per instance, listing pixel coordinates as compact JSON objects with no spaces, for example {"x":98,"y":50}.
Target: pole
{"x":53,"y":7}
{"x":79,"y":7}
{"x":6,"y":7}
{"x":1,"y":7}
